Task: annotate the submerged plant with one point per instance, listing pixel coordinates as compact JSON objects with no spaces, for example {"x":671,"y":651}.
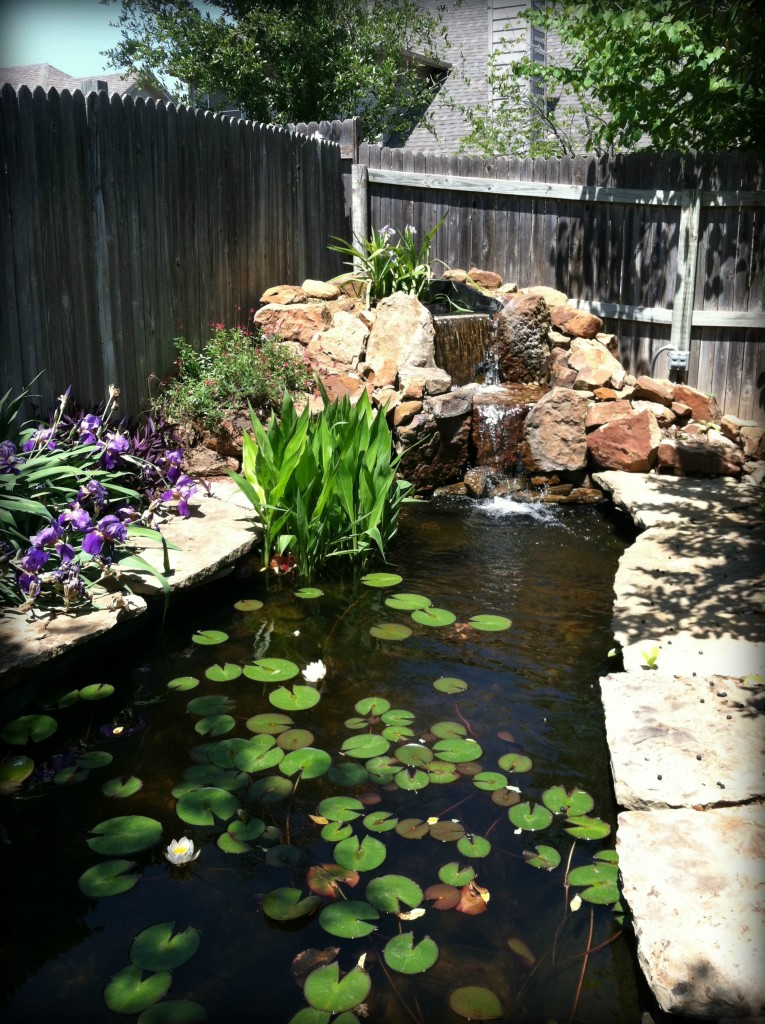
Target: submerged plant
{"x":324,"y":487}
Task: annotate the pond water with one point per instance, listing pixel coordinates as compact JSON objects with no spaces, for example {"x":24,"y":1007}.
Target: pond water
{"x":529,"y":690}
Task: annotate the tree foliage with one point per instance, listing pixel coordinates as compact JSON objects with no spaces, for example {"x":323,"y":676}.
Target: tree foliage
{"x":681,"y":73}
{"x":288,"y":60}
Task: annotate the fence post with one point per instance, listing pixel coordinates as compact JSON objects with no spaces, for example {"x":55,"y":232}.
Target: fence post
{"x":685,"y":281}
{"x":359,"y":206}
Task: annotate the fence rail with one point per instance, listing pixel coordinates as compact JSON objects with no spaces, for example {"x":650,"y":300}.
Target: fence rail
{"x":668,"y":248}
{"x":126,"y":223}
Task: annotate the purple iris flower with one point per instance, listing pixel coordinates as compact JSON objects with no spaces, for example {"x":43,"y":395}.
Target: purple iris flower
{"x":33,"y":560}
{"x":115,"y":445}
{"x":42,"y":438}
{"x":89,"y":425}
{"x":65,"y":551}
{"x":95,"y":492}
{"x":106,"y":531}
{"x":173,"y":461}
{"x":30,"y":584}
{"x":75,"y":517}
{"x":184,"y":488}
{"x":9,"y":459}
{"x":48,"y":535}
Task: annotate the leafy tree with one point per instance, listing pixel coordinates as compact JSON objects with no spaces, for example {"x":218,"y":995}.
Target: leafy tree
{"x":288,"y":60}
{"x":682,"y":73}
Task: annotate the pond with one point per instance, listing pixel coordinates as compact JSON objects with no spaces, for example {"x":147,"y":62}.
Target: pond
{"x":449,"y":771}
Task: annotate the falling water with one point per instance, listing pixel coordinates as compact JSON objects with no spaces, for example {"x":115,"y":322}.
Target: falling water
{"x":464,"y":348}
{"x":497,"y":434}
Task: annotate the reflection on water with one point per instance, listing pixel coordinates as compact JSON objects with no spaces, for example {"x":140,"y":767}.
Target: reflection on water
{"x":531,"y":689}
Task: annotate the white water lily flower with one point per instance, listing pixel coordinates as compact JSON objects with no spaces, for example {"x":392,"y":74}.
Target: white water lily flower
{"x":314,"y":671}
{"x":181,"y":851}
{"x":576,"y":903}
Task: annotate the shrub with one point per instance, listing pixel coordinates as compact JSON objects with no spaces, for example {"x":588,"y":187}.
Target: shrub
{"x":323,"y":486}
{"x":236,"y":368}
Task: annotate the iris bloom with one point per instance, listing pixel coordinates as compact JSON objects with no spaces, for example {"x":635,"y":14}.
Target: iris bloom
{"x":314,"y":671}
{"x":183,"y":489}
{"x":106,"y":531}
{"x":181,"y":851}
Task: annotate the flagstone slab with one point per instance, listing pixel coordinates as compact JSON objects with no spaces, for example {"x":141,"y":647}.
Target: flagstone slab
{"x":695,"y":882}
{"x":684,"y":741}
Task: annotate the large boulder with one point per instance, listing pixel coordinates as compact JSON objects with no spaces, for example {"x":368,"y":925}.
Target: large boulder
{"x":554,"y":433}
{"x":435,"y":444}
{"x":576,"y":322}
{"x":595,"y":366}
{"x":629,"y":443}
{"x":298,"y":321}
{"x":341,"y":345}
{"x":402,"y":332}
{"x":702,"y":406}
{"x":700,"y":454}
{"x":521,"y":335}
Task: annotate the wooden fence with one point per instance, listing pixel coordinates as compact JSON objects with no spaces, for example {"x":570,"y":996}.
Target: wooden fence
{"x":124,"y":224}
{"x":668,"y":248}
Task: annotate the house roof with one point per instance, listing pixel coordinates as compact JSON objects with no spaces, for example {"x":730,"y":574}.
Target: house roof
{"x":49,"y":77}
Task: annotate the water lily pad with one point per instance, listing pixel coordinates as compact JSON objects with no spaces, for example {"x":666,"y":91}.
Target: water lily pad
{"x":209,"y":637}
{"x":223,"y":753}
{"x":270,"y":722}
{"x":559,"y":801}
{"x":72,"y":774}
{"x":515,"y":763}
{"x":58,"y":697}
{"x":183,"y":683}
{"x":442,"y":896}
{"x":340,"y":808}
{"x":204,"y":805}
{"x":397,"y":733}
{"x":310,"y":1015}
{"x":546,"y":858}
{"x":347,"y":774}
{"x":600,"y":881}
{"x":350,"y":919}
{"x":454,"y":874}
{"x":380,"y":821}
{"x":335,"y":831}
{"x":96,"y":691}
{"x":582,"y":826}
{"x":457,"y":751}
{"x":29,"y":727}
{"x":109,"y":878}
{"x":414,"y":754}
{"x":381,"y":579}
{"x":308,"y":762}
{"x":382,"y":769}
{"x":309,"y":593}
{"x":474,"y":846}
{"x":490,"y":623}
{"x":299,"y":698}
{"x":392,"y":892}
{"x":223,"y":673}
{"x":390,"y":631}
{"x":271,"y":789}
{"x":364,"y":855}
{"x":283,"y":856}
{"x":401,"y":954}
{"x":259,"y":754}
{"x":325,"y":879}
{"x":271,"y":670}
{"x":213,"y":704}
{"x":288,"y":904}
{"x":530,"y":817}
{"x":129,"y":992}
{"x":126,"y":834}
{"x":505,"y":797}
{"x":14,"y":769}
{"x":157,"y":949}
{"x":295,"y":739}
{"x":248,"y":604}
{"x":326,"y":990}
{"x":448,"y":684}
{"x":408,"y":602}
{"x":411,"y":779}
{"x":215,"y":725}
{"x":397,"y":717}
{"x":365,"y":747}
{"x":122,"y":787}
{"x":489,"y":781}
{"x":446,"y":730}
{"x":441,"y":773}
{"x":213,"y":775}
{"x":434,"y":616}
{"x":94,"y":759}
{"x":372,"y":706}
{"x":473,"y":1002}
{"x":239,"y":834}
{"x":447,"y":831}
{"x":412,"y":828}
{"x":174,"y":1011}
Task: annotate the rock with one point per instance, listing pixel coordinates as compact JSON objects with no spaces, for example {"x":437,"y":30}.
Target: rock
{"x":611,"y":342}
{"x":558,"y":340}
{"x":703,"y":407}
{"x":435,"y":445}
{"x":552,"y":296}
{"x":386,"y":376}
{"x":405,"y":412}
{"x":477,"y":482}
{"x":650,"y":390}
{"x":340,"y":345}
{"x":508,"y":289}
{"x":605,"y":394}
{"x":604,"y":412}
{"x":413,"y":389}
{"x":628,"y":443}
{"x":753,"y":442}
{"x":425,"y":381}
{"x":295,"y":322}
{"x":201,"y":461}
{"x":664,"y":416}
{"x":343,"y":385}
{"x":320,"y":289}
{"x":681,"y":410}
{"x":554,"y":434}
{"x":484,"y":278}
{"x":521,"y":329}
{"x":283,"y":294}
{"x":455,"y":275}
{"x":403,"y":333}
{"x":595,"y":365}
{"x":576,"y":322}
{"x":497,"y":429}
{"x":700,"y":455}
